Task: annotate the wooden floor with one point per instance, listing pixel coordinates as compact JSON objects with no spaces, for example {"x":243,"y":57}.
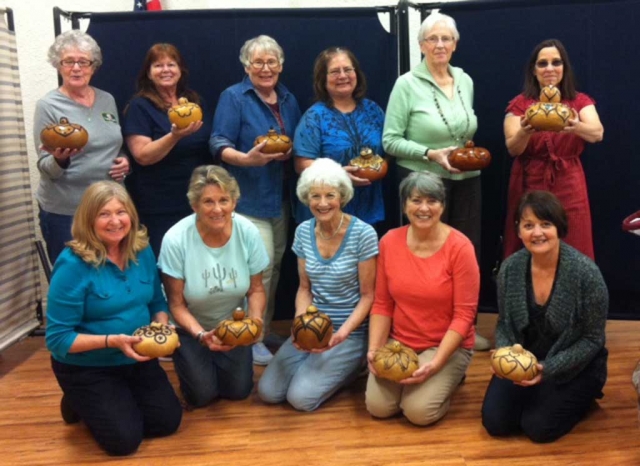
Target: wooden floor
{"x":341,"y":432}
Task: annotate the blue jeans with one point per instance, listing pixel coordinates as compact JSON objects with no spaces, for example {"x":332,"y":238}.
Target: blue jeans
{"x":306,"y":380}
{"x":206,"y":375}
{"x":56,"y":230}
{"x":121,"y":404}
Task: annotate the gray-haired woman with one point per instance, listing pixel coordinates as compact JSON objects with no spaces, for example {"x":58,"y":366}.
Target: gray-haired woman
{"x":247,"y":110}
{"x":64,"y":173}
{"x":337,"y":265}
{"x":211,"y":262}
{"x":427,"y":287}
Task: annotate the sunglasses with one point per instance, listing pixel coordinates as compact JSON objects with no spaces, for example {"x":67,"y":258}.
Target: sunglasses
{"x":544,"y":63}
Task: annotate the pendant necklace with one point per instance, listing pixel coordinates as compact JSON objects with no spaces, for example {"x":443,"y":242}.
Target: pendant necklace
{"x":459,"y":140}
{"x":327,"y":238}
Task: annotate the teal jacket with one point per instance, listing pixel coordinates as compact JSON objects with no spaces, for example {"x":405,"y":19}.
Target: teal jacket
{"x":413,"y":123}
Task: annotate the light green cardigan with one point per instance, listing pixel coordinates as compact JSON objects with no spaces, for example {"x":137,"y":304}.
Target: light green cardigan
{"x":413,"y":124}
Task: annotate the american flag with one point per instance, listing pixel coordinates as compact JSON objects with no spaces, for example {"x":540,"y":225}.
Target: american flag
{"x":147,"y":5}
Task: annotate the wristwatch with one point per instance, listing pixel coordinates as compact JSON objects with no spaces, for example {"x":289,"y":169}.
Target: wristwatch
{"x":426,"y":155}
{"x":200,"y":337}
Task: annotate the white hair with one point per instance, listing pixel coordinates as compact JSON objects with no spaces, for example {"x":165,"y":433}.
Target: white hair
{"x":74,"y":39}
{"x":325,"y":172}
{"x":263,"y":44}
{"x":434,"y":18}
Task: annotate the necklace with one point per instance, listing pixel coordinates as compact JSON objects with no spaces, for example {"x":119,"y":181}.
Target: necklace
{"x":326,"y":238}
{"x":351,"y":128}
{"x":458,"y":139}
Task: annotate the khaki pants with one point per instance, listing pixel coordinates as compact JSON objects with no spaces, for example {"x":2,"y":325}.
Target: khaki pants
{"x":422,"y":404}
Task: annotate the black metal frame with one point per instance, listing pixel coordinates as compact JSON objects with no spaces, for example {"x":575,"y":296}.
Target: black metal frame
{"x":9,"y":14}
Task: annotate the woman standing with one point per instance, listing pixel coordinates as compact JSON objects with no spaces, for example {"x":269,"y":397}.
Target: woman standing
{"x":339,"y":125}
{"x":553,"y":301}
{"x":426,"y":297}
{"x":164,"y":156}
{"x":64,"y":173}
{"x":245,"y":111}
{"x":544,"y":160}
{"x":430,"y":114}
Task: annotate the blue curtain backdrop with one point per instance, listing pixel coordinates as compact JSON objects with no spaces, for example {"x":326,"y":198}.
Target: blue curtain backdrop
{"x":497,"y":38}
{"x":210,"y":42}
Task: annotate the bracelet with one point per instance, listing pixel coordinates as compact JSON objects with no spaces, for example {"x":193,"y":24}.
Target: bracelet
{"x":200,"y":336}
{"x":106,"y":341}
{"x":426,"y":155}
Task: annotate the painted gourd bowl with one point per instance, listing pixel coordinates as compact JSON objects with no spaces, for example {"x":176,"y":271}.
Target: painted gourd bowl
{"x":470,"y":157}
{"x":312,"y":330}
{"x":238,"y":331}
{"x":64,"y":135}
{"x":158,"y":340}
{"x":549,"y":114}
{"x":370,"y":166}
{"x":276,"y":142}
{"x":185,"y":113}
{"x":514,"y":363}
{"x":395,"y":361}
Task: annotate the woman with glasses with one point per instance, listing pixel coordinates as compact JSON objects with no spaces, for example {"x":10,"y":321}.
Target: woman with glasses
{"x":245,"y":111}
{"x":546,"y":160}
{"x":338,"y":126}
{"x":65,"y":173}
{"x":430,"y":114}
{"x":163,"y":155}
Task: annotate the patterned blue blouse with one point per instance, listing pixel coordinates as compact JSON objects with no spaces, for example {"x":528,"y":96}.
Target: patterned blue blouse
{"x":327,"y":132}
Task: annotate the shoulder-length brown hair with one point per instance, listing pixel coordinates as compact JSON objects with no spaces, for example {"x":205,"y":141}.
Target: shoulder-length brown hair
{"x":568,"y":84}
{"x":146,"y":88}
{"x":321,"y":67}
{"x":86,"y":243}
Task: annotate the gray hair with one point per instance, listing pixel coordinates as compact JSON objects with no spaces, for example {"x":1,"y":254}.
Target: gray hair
{"x":434,"y":18}
{"x":325,"y":172}
{"x":260,"y":44}
{"x":425,"y":184}
{"x":211,"y":175}
{"x":74,"y":39}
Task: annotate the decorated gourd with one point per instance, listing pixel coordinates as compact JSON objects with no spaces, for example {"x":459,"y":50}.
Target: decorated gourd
{"x":64,"y":135}
{"x":549,"y":114}
{"x":514,"y":363}
{"x":240,"y":331}
{"x":185,"y":113}
{"x":370,"y":166}
{"x":470,"y":157}
{"x":312,"y":330}
{"x":158,"y":340}
{"x":395,"y":361}
{"x":276,"y":143}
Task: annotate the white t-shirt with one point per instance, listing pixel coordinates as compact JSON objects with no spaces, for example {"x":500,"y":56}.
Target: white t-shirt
{"x":216,"y":280}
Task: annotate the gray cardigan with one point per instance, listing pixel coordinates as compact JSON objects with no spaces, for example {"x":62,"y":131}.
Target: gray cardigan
{"x":577,"y":312}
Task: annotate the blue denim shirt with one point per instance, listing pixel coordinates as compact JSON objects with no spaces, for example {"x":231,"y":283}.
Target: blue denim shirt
{"x":240,"y":117}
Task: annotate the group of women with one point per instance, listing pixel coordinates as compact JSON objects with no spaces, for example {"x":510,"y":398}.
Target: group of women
{"x":219,"y":250}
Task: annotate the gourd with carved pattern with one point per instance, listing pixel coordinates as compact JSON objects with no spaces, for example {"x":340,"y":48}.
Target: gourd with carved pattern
{"x":514,"y":363}
{"x":240,"y":331}
{"x":312,"y":330}
{"x":158,"y":340}
{"x":64,"y":135}
{"x":185,"y":113}
{"x":549,"y":114}
{"x":276,"y":142}
{"x":395,"y":361}
{"x":370,"y":166}
{"x":470,"y":157}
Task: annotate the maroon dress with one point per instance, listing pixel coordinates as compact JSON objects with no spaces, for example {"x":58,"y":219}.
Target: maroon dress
{"x":551,"y":162}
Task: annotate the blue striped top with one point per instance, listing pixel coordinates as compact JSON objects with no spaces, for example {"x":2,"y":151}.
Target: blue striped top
{"x":334,"y":282}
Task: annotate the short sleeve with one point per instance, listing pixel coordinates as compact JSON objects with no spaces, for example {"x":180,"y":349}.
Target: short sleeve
{"x":307,"y":141}
{"x":581,"y":101}
{"x":368,"y":243}
{"x":258,"y":259}
{"x":172,"y":254}
{"x":298,"y":244}
{"x":517,"y":106}
{"x":137,"y":120}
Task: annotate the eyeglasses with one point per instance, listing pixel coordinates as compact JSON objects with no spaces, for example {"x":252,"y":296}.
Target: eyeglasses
{"x":337,"y":72}
{"x":271,"y":64}
{"x":544,"y":63}
{"x":81,"y":63}
{"x":433,"y":40}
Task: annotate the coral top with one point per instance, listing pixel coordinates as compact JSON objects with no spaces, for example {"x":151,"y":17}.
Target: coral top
{"x":551,"y":162}
{"x":426,"y":297}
